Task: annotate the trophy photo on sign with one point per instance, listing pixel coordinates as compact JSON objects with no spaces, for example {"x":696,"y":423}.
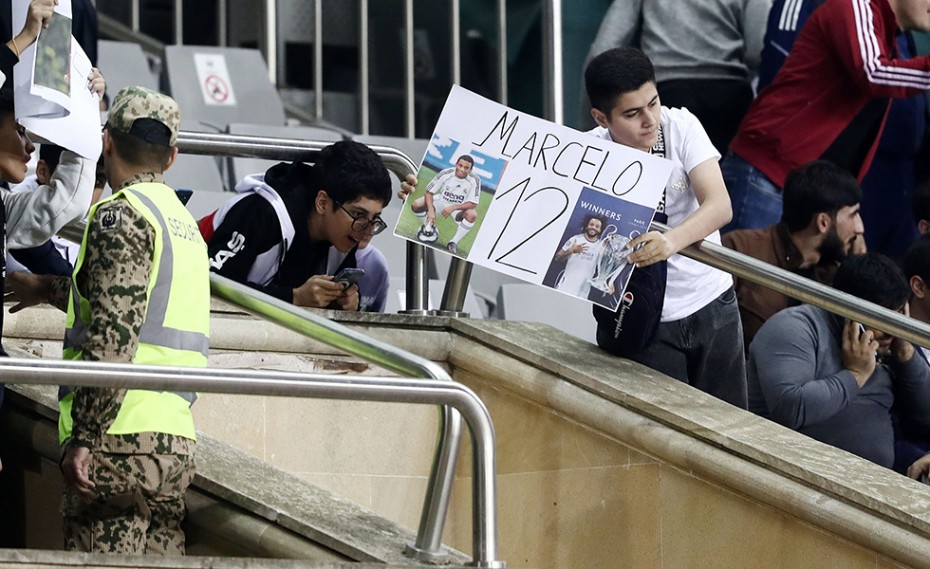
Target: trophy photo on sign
{"x":611,"y":260}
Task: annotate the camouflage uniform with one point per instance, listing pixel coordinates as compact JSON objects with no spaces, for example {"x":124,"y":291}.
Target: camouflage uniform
{"x":140,"y":478}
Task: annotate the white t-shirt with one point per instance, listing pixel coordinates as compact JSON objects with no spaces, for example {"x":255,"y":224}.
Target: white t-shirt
{"x":691,"y":285}
{"x":455,"y":190}
{"x":579,"y":268}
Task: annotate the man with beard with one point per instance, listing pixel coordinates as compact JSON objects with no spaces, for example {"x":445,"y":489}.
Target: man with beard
{"x":580,"y":254}
{"x":836,"y":380}
{"x":820,"y":225}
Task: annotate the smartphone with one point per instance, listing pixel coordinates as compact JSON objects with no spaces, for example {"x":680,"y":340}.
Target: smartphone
{"x":349,"y":276}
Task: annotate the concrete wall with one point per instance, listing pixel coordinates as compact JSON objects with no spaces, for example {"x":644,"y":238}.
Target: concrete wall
{"x":601,"y":462}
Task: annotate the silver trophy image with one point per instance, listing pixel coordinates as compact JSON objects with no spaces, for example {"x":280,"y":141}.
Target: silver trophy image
{"x":611,"y":259}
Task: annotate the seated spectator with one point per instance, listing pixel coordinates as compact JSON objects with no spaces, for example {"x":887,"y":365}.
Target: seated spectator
{"x":276,"y":234}
{"x":819,"y":226}
{"x":833,"y":379}
{"x":57,"y":255}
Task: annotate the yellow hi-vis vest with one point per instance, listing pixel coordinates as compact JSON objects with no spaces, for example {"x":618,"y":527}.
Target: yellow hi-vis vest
{"x":175,"y":328}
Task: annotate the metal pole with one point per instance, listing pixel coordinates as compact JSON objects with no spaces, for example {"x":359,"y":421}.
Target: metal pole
{"x":417,"y":291}
{"x":439,"y":489}
{"x":179,"y":22}
{"x":270,"y":19}
{"x":552,"y":61}
{"x":453,"y":297}
{"x":288,"y":384}
{"x":222,"y":22}
{"x":456,"y":39}
{"x":364,"y":69}
{"x":502,"y":51}
{"x":409,"y":108}
{"x":134,"y":16}
{"x":318,"y":59}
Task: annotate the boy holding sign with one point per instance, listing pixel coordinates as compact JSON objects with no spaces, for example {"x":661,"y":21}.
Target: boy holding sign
{"x":700,"y":339}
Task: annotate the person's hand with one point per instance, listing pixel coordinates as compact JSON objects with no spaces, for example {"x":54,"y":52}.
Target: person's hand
{"x":859,"y":352}
{"x":431,"y":217}
{"x":408,"y":186}
{"x":96,"y":83}
{"x":319,"y":291}
{"x":446,"y":212}
{"x":578,"y":248}
{"x":921,"y":467}
{"x":655,"y":248}
{"x":75,"y":468}
{"x":26,"y":289}
{"x":349,"y":299}
{"x":38,"y":16}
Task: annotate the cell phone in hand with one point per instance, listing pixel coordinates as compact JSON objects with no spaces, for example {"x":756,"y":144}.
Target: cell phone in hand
{"x":349,"y":276}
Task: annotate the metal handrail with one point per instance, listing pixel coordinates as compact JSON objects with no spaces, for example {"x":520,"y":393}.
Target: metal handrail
{"x":428,"y":546}
{"x":290,"y":384}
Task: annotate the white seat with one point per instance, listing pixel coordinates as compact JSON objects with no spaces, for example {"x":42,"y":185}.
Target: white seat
{"x":123,"y":64}
{"x":256,"y":99}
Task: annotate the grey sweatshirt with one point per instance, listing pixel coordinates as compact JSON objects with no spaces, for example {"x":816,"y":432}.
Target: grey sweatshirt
{"x":796,"y":377}
{"x":689,"y":39}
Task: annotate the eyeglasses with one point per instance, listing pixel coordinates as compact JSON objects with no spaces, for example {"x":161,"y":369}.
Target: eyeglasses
{"x":361,"y":223}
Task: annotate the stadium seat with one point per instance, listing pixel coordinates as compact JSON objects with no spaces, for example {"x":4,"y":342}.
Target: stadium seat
{"x":208,"y":102}
{"x":123,"y":64}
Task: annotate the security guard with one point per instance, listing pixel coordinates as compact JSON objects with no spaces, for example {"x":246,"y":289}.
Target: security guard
{"x":139,"y":293}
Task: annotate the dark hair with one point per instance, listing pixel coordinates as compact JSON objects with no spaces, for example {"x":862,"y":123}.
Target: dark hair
{"x":139,"y":153}
{"x":920,"y":203}
{"x":347,"y":170}
{"x":916,"y":261}
{"x":587,"y":220}
{"x":817,"y":187}
{"x":466,"y":158}
{"x":51,"y":154}
{"x":615,"y":72}
{"x":875,"y":278}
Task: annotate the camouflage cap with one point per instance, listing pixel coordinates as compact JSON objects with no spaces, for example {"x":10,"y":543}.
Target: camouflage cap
{"x":134,"y":103}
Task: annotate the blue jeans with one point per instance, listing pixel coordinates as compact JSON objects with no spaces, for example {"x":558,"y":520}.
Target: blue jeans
{"x":756,"y":200}
{"x":704,"y":350}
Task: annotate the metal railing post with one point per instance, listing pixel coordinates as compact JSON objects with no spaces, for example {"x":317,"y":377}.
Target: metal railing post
{"x":453,"y":296}
{"x":289,"y":384}
{"x":439,"y":490}
{"x":553,"y":97}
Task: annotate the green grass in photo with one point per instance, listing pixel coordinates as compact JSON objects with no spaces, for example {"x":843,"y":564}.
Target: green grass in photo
{"x":410,"y":223}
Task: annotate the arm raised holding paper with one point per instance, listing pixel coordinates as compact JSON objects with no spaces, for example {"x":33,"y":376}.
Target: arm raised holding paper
{"x":33,"y":217}
{"x":37,"y":18}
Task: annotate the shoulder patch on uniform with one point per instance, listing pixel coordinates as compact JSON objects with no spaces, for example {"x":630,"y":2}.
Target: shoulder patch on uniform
{"x":110,"y":219}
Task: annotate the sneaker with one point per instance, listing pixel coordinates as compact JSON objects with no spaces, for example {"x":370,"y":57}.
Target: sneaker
{"x":451,"y":247}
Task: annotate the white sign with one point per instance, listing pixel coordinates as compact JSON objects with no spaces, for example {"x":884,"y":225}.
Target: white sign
{"x":213,"y":77}
{"x":533,"y":199}
{"x":55,"y":105}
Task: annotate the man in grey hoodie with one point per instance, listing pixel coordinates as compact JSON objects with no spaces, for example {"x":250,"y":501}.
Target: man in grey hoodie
{"x":705,"y":54}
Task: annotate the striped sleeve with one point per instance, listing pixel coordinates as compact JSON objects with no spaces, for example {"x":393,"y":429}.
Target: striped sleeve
{"x":435,"y":185}
{"x":871,"y":53}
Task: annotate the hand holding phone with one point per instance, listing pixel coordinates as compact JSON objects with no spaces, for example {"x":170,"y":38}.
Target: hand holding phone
{"x":349,"y":276}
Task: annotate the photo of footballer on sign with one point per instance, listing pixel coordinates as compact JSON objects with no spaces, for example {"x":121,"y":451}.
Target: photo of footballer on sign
{"x":532,"y":199}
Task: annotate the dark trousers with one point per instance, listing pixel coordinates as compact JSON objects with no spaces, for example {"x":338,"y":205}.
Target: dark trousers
{"x":704,"y":350}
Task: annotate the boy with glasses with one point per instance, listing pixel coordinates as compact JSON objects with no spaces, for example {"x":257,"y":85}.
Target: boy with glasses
{"x":277,"y":233}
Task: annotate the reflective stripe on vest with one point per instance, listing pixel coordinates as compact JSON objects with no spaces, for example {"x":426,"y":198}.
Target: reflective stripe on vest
{"x":161,"y":341}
